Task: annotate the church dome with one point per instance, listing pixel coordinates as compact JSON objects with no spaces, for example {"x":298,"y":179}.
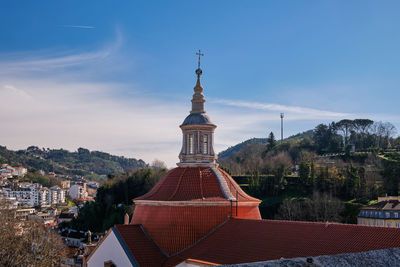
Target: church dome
{"x":190,"y":201}
{"x":197,"y":118}
{"x":208,"y":184}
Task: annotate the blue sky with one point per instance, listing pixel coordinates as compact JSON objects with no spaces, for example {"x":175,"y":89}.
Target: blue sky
{"x":118,"y":75}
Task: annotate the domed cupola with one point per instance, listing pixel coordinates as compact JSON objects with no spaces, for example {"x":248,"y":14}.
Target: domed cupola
{"x":197,"y":196}
{"x":198,"y":131}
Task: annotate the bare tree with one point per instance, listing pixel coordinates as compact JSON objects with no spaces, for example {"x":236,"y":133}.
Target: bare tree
{"x":321,"y":207}
{"x":383,"y":132}
{"x":158,"y":164}
{"x":27,"y":243}
{"x":290,"y":209}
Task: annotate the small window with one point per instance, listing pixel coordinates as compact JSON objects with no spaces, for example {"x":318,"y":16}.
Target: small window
{"x":205,"y":144}
{"x":191,"y":143}
{"x":109,"y":264}
{"x":396,"y":215}
{"x":389,"y":224}
{"x":387,"y":214}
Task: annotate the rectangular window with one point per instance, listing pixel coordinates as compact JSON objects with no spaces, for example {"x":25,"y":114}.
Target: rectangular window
{"x":205,"y":144}
{"x":191,"y":143}
{"x":396,"y":215}
{"x":387,"y":214}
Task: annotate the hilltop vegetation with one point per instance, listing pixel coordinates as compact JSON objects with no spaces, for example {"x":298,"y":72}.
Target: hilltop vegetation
{"x":82,"y":162}
{"x":349,"y":162}
{"x":114,"y":199}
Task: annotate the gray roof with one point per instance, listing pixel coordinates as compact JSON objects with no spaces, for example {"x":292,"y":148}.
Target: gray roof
{"x":197,"y":118}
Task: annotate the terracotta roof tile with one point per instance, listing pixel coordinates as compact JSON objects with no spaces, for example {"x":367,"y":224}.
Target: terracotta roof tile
{"x":243,"y":240}
{"x":193,"y":183}
{"x":143,"y":250}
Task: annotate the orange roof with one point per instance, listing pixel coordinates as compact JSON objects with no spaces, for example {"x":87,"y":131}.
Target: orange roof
{"x":143,"y":250}
{"x":195,"y":183}
{"x":243,"y":240}
{"x":187,"y":203}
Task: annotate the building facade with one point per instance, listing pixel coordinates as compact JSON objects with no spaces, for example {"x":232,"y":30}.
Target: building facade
{"x":385,"y":213}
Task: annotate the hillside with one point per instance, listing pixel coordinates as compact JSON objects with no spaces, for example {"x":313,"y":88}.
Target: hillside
{"x":61,"y":161}
{"x":228,"y":152}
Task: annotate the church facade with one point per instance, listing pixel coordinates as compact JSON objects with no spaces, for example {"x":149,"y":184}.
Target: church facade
{"x":198,"y":215}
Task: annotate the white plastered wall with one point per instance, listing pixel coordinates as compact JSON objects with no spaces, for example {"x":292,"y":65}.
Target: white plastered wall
{"x":109,"y":250}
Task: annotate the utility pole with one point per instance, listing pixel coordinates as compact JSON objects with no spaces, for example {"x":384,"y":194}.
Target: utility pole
{"x":282,"y":115}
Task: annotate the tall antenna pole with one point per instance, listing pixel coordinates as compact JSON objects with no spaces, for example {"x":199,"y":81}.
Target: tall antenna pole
{"x":282,"y":115}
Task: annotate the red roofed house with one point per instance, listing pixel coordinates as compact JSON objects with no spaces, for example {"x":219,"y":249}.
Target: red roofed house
{"x":198,"y":215}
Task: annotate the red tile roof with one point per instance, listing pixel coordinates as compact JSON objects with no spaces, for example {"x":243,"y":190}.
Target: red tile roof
{"x":193,"y":183}
{"x":187,"y":203}
{"x":143,"y":250}
{"x":243,"y":240}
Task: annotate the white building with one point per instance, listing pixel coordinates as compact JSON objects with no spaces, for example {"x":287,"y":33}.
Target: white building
{"x":20,"y":171}
{"x":9,"y":171}
{"x":22,"y":195}
{"x":60,"y":193}
{"x":78,"y":191}
{"x":32,"y":195}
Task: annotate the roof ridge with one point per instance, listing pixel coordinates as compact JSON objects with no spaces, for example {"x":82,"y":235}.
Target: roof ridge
{"x":148,"y":237}
{"x":178,"y":185}
{"x":236,"y":186}
{"x":124,"y":246}
{"x":314,"y":223}
{"x":202,"y":238}
{"x":223,"y":184}
{"x":201,"y":183}
{"x":155,"y":188}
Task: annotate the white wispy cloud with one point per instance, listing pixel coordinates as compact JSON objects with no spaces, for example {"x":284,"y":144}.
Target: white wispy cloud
{"x":27,"y":63}
{"x":79,"y":26}
{"x":302,"y":111}
{"x":64,"y":107}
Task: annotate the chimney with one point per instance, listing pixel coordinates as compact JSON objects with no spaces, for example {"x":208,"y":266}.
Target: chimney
{"x":126,"y":218}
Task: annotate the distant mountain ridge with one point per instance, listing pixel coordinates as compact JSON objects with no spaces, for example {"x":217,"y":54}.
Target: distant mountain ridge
{"x":228,"y":152}
{"x":81,"y":162}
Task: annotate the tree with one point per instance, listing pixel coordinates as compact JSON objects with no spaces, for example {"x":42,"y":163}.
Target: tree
{"x":321,"y":137}
{"x":326,"y":139}
{"x":27,"y":243}
{"x":158,"y":164}
{"x":271,"y":142}
{"x":114,"y":199}
{"x":321,"y":207}
{"x":362,"y":125}
{"x":290,"y":209}
{"x":345,"y":126}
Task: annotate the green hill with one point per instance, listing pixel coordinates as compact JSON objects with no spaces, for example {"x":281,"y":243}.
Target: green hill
{"x":81,"y":162}
{"x":228,"y":152}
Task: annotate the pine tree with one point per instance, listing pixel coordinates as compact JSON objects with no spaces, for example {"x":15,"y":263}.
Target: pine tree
{"x":271,"y":142}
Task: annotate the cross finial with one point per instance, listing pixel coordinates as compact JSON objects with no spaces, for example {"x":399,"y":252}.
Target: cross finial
{"x":199,"y":54}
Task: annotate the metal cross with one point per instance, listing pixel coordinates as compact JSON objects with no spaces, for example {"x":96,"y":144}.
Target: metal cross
{"x":199,"y":54}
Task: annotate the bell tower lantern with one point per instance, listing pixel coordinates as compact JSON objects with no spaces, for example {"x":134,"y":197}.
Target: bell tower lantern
{"x":198,"y":131}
